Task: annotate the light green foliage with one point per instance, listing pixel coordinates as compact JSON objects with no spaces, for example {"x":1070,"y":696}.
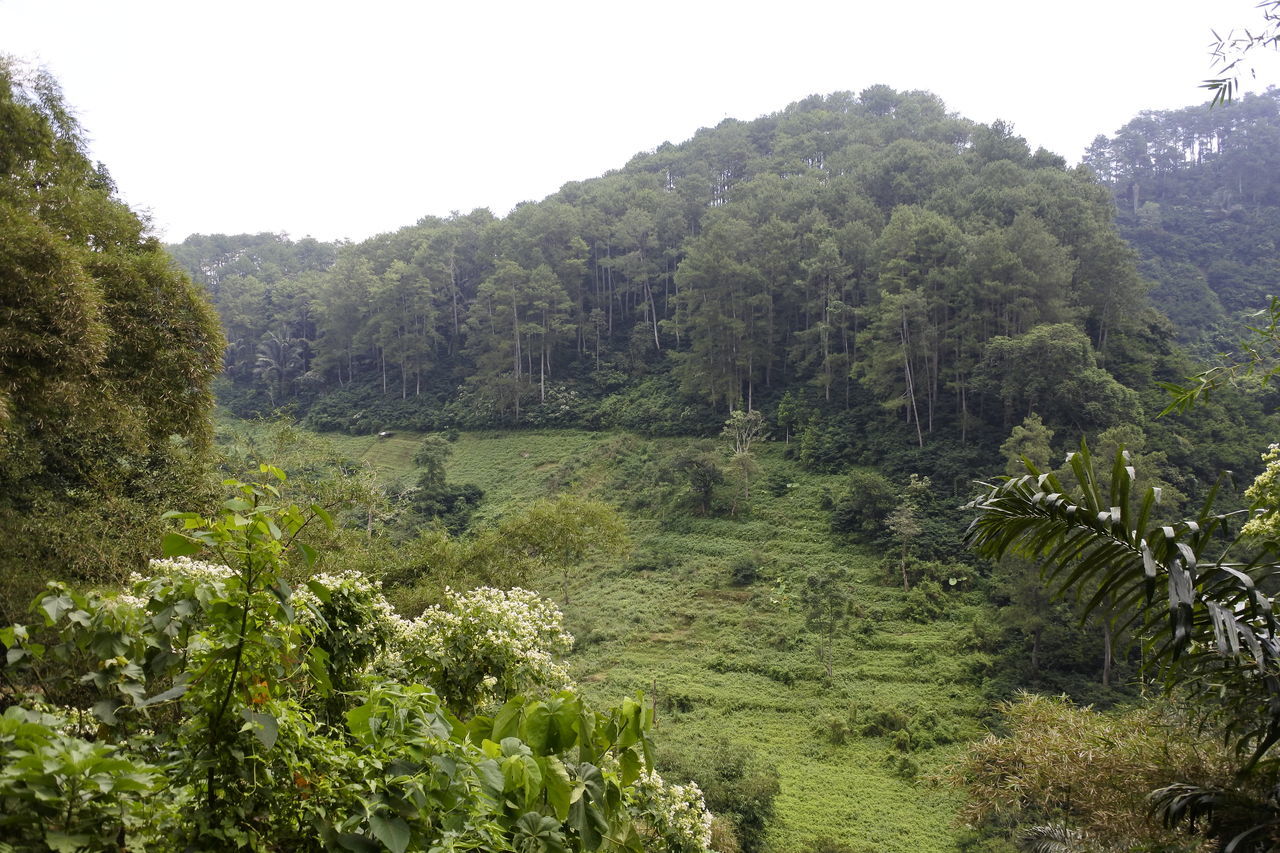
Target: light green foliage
{"x":730,"y":670}
{"x":827,"y":596}
{"x":1088,"y":771}
{"x":269,"y":720}
{"x":551,"y":534}
{"x":61,"y":792}
{"x":432,"y":454}
{"x":1030,"y":440}
{"x":904,"y":522}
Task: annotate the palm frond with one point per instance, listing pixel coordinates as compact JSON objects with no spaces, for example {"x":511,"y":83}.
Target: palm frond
{"x":1206,"y":621}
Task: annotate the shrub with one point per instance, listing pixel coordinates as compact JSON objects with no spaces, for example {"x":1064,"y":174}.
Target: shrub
{"x":218,"y":685}
{"x":861,"y":509}
{"x":744,"y":569}
{"x":736,"y":784}
{"x":777,"y":483}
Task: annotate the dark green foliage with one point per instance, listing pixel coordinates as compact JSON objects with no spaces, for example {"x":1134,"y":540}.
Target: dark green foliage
{"x":737,"y":782}
{"x":777,"y":484}
{"x":106,"y":364}
{"x":449,"y":503}
{"x":908,"y":729}
{"x":699,"y":467}
{"x":744,"y":569}
{"x":861,"y":509}
{"x":1197,"y":196}
{"x":846,"y":262}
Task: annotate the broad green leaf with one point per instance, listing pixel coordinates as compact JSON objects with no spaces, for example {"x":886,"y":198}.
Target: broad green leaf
{"x":177,"y":545}
{"x":506,"y":723}
{"x":309,"y":554}
{"x":358,"y":720}
{"x":171,"y":693}
{"x":62,"y":842}
{"x":534,"y":726}
{"x":323,"y":515}
{"x":320,"y":591}
{"x":264,"y":727}
{"x":558,"y":785}
{"x":565,"y":710}
{"x":391,"y":831}
{"x":629,"y":766}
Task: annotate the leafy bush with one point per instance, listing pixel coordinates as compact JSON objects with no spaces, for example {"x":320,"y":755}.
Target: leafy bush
{"x":861,"y":509}
{"x":744,"y":569}
{"x":452,"y":504}
{"x":924,"y":602}
{"x":61,"y":792}
{"x":777,"y":483}
{"x":736,"y":783}
{"x":270,"y":720}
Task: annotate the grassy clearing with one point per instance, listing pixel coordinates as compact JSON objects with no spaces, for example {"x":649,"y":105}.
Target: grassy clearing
{"x":727,"y":664}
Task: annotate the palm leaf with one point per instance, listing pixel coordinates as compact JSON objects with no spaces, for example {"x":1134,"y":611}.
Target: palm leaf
{"x":1208,"y":625}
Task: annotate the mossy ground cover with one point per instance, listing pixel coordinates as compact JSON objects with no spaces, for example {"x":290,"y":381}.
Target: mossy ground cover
{"x":732,"y":663}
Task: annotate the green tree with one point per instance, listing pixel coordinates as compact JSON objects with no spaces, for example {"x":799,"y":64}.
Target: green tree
{"x":108,"y":357}
{"x":744,"y":429}
{"x":862,"y":507}
{"x":904,"y":522}
{"x":1210,"y":629}
{"x":827,"y":597}
{"x":1053,"y":371}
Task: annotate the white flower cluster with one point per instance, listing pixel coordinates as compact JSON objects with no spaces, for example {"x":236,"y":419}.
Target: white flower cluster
{"x":185,"y":568}
{"x":511,"y":636}
{"x":165,"y":573}
{"x":353,"y":586}
{"x":1265,"y":494}
{"x":676,"y":813}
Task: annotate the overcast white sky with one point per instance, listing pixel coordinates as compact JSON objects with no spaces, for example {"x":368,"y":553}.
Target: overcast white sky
{"x":342,"y":120}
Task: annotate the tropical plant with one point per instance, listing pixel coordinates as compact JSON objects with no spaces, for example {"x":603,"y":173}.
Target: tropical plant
{"x":315,"y":719}
{"x":1193,"y":590}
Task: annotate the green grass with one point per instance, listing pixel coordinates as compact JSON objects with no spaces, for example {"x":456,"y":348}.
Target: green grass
{"x":737,"y":659}
{"x":730,"y":664}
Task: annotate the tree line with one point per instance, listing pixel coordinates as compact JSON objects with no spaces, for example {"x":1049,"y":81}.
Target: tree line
{"x":868,"y":249}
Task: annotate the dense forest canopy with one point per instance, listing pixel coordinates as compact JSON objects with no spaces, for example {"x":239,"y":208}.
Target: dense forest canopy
{"x":869,"y":250}
{"x":1198,"y":196}
{"x":106,"y":357}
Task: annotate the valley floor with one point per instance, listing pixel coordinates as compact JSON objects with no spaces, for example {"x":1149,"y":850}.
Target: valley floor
{"x":728,"y":665}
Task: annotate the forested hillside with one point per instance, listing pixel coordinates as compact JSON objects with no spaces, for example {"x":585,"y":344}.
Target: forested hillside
{"x":717,"y":414}
{"x":876,"y":273}
{"x":1198,"y":195}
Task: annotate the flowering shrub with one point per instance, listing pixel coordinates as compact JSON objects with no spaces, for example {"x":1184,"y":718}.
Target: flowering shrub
{"x":675,"y":814}
{"x":1264,"y":495}
{"x":482,"y":647}
{"x":282,"y":719}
